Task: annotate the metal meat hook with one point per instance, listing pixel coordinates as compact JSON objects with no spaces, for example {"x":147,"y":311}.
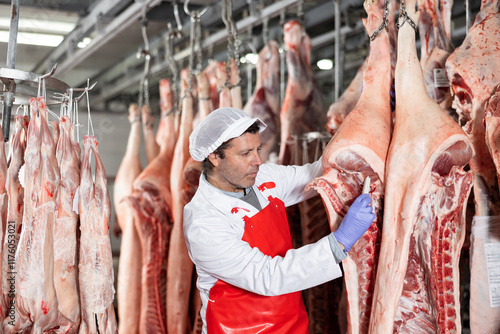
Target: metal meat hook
{"x":195,"y":15}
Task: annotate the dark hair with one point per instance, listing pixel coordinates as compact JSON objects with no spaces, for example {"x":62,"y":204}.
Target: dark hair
{"x":207,"y":166}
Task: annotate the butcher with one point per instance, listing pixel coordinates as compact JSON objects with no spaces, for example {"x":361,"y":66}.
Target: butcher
{"x":237,"y":233}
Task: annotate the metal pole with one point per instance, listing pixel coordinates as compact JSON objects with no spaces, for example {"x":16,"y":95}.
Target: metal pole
{"x":467,"y":16}
{"x":337,"y":49}
{"x":8,"y":95}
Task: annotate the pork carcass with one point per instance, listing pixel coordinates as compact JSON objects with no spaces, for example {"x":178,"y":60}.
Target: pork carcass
{"x":65,"y":228}
{"x":436,"y":47}
{"x":235,"y":81}
{"x":223,"y":86}
{"x":339,"y":109}
{"x":192,"y":168}
{"x":191,"y":174}
{"x":130,"y":166}
{"x":211,"y":72}
{"x":15,"y":193}
{"x":148,"y":122}
{"x":180,"y":267}
{"x":265,"y":101}
{"x":164,"y":134}
{"x":151,"y":203}
{"x":130,"y":262}
{"x":95,"y":261}
{"x":35,"y":301}
{"x":474,"y":73}
{"x":350,"y":157}
{"x":426,"y":191}
{"x":302,"y":110}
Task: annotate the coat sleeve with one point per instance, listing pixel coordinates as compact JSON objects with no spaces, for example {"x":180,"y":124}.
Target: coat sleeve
{"x":292,"y":180}
{"x":218,"y":250}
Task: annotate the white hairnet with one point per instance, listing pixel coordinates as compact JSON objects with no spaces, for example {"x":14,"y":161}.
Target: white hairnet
{"x":218,"y":127}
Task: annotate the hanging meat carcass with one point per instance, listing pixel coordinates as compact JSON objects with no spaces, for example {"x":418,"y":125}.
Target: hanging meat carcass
{"x":36,"y":305}
{"x":165,"y":136}
{"x":436,"y":47}
{"x":192,"y":172}
{"x":350,"y":157}
{"x":96,"y":277}
{"x":223,"y":85}
{"x":339,"y":109}
{"x":180,"y":266}
{"x":66,"y":223}
{"x":265,"y":101}
{"x":473,"y":71}
{"x":302,"y":110}
{"x":130,"y":261}
{"x":148,"y":122}
{"x":424,"y":207}
{"x":344,"y":105}
{"x":211,"y":72}
{"x":130,"y":166}
{"x":15,"y":193}
{"x":234,"y":81}
{"x":4,"y":225}
{"x":192,"y":168}
{"x":151,"y":203}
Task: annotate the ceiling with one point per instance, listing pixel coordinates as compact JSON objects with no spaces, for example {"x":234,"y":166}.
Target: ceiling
{"x":115,"y":28}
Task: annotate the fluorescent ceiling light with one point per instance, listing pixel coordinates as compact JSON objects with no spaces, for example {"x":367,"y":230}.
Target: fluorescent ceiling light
{"x":84,"y":42}
{"x":251,"y":58}
{"x":33,"y":39}
{"x":39,"y":25}
{"x":325,"y":64}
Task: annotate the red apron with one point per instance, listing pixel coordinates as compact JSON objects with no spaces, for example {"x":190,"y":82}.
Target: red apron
{"x":234,"y":310}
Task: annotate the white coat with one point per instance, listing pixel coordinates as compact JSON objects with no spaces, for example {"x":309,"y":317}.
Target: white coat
{"x":214,"y":227}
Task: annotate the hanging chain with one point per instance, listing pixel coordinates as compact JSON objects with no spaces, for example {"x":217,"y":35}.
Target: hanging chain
{"x":144,"y":85}
{"x":194,"y":45}
{"x":385,"y":22}
{"x":265,"y":30}
{"x":233,"y":43}
{"x":406,"y":18}
{"x":173,"y":67}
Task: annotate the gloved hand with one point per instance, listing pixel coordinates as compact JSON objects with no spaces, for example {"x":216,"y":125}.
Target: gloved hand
{"x":358,"y":219}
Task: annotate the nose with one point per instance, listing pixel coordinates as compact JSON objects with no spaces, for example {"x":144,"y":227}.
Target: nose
{"x":257,"y":159}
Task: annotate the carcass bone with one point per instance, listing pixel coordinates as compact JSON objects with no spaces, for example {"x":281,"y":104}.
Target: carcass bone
{"x":350,"y":157}
{"x":424,"y":208}
{"x":474,"y":72}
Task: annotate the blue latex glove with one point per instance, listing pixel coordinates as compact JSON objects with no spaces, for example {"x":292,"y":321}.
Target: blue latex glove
{"x":357,"y":220}
{"x":392,"y":93}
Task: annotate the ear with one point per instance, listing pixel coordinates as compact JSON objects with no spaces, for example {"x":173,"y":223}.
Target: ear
{"x":214,"y":159}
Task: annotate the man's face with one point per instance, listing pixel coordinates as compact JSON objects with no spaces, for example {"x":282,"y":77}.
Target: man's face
{"x":238,"y":169}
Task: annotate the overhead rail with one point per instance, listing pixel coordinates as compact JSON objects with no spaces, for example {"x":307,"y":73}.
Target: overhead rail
{"x":74,"y":55}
